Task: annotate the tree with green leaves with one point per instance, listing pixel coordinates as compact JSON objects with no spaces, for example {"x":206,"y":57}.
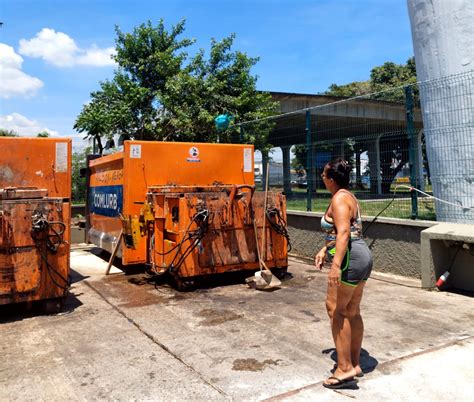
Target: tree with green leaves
{"x":382,"y":78}
{"x":8,"y":133}
{"x":78,"y":181}
{"x":43,"y":134}
{"x":159,"y":92}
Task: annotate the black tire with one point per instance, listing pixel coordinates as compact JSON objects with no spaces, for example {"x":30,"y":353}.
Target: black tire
{"x":281,"y":273}
{"x":184,"y":284}
{"x":53,"y":306}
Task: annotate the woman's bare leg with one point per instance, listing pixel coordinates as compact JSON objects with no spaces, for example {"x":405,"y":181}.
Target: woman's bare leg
{"x":337,"y":302}
{"x":357,"y":325}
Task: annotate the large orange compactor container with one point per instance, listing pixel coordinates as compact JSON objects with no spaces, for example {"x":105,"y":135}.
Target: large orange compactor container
{"x":35,"y":191}
{"x":161,"y":194}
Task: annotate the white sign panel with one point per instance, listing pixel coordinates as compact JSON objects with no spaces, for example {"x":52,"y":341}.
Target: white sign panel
{"x":248,"y":168}
{"x":135,"y":151}
{"x":61,"y":157}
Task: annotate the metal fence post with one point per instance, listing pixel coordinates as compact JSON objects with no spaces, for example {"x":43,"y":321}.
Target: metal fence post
{"x":309,"y":162}
{"x":412,"y":154}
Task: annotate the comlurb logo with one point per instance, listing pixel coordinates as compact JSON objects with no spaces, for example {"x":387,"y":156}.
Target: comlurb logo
{"x":193,"y":155}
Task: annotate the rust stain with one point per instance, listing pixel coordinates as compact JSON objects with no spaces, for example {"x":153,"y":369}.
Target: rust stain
{"x":253,"y":364}
{"x":217,"y":317}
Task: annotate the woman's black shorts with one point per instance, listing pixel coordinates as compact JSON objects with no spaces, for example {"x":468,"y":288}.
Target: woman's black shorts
{"x":357,"y":263}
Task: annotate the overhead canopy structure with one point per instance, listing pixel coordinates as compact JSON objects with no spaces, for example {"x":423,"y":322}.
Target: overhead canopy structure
{"x":333,"y":118}
{"x":367,"y":122}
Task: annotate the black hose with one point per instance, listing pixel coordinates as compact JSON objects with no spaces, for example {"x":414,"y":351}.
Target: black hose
{"x":50,"y":269}
{"x":373,"y":220}
{"x":42,"y":225}
{"x":278,"y":224}
{"x":201,"y":218}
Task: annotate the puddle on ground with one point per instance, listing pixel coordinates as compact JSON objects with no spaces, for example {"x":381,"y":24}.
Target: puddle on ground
{"x":408,"y":341}
{"x":253,"y":364}
{"x":301,"y":281}
{"x":389,"y":369}
{"x":135,"y":291}
{"x":421,"y":304}
{"x":217,"y":317}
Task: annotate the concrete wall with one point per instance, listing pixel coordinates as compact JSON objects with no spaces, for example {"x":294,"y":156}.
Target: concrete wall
{"x":448,"y":246}
{"x":395,"y":243}
{"x":78,"y":235}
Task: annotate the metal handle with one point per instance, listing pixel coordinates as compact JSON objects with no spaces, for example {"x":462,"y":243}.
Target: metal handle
{"x":235,"y":191}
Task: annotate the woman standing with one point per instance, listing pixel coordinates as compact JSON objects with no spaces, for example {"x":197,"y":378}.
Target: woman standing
{"x":350,"y":266}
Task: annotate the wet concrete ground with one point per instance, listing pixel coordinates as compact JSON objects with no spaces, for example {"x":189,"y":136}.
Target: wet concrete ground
{"x":121,"y":337}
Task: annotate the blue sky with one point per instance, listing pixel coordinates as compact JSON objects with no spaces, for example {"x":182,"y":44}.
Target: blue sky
{"x":54,"y":53}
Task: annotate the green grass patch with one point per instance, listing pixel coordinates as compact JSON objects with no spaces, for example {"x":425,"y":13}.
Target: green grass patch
{"x":398,"y":209}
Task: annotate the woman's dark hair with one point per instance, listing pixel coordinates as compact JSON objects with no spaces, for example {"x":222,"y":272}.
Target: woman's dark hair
{"x":339,"y":170}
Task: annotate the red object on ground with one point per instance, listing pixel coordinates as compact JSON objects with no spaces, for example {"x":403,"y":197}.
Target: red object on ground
{"x":442,"y":279}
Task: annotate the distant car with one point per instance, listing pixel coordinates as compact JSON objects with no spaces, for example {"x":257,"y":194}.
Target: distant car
{"x":303,"y":184}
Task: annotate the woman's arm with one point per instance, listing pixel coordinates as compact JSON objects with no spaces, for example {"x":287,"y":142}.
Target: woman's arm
{"x":341,"y":215}
{"x":320,"y":257}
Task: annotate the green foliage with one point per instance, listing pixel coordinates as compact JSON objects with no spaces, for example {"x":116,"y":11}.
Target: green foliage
{"x":391,"y":75}
{"x":43,"y":134}
{"x":94,"y":120}
{"x":78,"y":182}
{"x":299,"y":161}
{"x":356,"y":88}
{"x":8,"y":133}
{"x":382,"y":78}
{"x":160,"y":93}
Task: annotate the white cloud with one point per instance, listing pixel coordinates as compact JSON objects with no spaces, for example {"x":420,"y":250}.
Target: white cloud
{"x":54,"y":47}
{"x":23,"y":126}
{"x":97,"y":57}
{"x":13,"y":81}
{"x":59,"y":49}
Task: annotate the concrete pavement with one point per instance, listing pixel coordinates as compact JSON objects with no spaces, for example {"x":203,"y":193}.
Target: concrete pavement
{"x":121,"y":338}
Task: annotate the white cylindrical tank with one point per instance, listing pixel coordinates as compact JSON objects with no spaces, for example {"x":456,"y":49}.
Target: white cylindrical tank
{"x":443,"y":41}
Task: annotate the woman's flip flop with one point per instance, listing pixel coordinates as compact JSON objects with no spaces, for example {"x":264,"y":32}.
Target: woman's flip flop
{"x":340,"y":384}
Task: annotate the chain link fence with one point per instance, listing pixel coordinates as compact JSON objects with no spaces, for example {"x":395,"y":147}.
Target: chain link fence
{"x":381,"y":134}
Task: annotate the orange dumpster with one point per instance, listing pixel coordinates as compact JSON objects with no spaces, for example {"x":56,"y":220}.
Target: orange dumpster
{"x":118,"y":183}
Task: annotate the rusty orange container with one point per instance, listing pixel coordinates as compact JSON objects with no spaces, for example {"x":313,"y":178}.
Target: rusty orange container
{"x":36,"y":162}
{"x":199,"y":231}
{"x":35,"y":188}
{"x":118,"y":183}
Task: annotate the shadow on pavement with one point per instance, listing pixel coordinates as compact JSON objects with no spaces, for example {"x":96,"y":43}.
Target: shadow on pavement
{"x":20,"y":311}
{"x":76,"y":277}
{"x":367,"y":362}
{"x":201,"y":283}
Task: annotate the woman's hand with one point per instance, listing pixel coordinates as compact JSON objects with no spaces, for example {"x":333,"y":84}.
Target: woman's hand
{"x":320,"y":258}
{"x":334,"y":277}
